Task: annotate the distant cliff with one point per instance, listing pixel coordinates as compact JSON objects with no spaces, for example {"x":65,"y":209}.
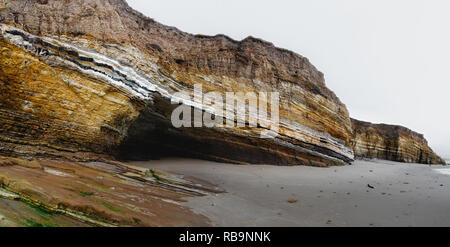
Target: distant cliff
{"x":391,"y":142}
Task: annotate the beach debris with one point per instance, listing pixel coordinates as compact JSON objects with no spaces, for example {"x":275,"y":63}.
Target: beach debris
{"x":370,"y":186}
{"x":292,"y":200}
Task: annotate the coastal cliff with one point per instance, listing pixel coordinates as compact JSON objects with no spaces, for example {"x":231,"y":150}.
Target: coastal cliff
{"x":391,"y":142}
{"x":88,"y":80}
{"x":86,"y":83}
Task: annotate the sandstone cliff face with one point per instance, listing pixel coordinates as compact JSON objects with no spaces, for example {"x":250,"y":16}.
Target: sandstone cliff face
{"x":94,"y":79}
{"x":390,"y":142}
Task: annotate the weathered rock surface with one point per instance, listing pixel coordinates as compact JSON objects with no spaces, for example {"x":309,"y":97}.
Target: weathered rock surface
{"x":391,"y":142}
{"x":65,"y":193}
{"x":94,"y":80}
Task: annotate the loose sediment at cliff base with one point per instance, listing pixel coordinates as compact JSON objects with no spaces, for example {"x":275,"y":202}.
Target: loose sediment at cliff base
{"x":367,"y":193}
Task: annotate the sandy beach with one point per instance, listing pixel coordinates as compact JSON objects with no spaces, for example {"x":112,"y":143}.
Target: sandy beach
{"x":367,"y":193}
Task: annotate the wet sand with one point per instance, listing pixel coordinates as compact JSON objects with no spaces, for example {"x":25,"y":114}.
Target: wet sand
{"x":259,"y":195}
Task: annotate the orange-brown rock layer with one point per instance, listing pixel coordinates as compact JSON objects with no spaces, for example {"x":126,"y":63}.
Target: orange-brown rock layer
{"x":94,"y":79}
{"x":391,"y":142}
{"x":99,"y":194}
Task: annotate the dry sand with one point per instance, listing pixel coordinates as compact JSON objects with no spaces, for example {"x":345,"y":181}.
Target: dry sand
{"x":259,"y":195}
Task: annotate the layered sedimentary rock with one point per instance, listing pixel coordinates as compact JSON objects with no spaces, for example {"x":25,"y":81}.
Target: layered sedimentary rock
{"x":391,"y":142}
{"x":64,"y":193}
{"x":85,"y":82}
{"x":94,"y":79}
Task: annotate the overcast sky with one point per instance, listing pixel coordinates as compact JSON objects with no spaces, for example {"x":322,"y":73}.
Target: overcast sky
{"x":388,"y":61}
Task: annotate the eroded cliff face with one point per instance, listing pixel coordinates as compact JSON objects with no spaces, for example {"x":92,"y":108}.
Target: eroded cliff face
{"x":85,"y":82}
{"x":391,"y":142}
{"x":95,"y":79}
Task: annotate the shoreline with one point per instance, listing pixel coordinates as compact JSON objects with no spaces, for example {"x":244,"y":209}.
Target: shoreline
{"x":367,"y":193}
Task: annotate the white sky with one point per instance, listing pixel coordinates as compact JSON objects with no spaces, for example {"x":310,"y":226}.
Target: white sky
{"x":388,"y":61}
